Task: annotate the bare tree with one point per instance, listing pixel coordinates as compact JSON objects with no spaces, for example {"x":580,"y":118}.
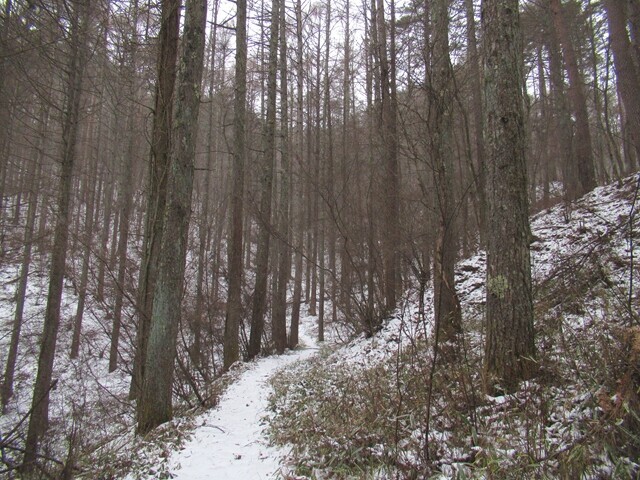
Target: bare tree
{"x":234,"y":301}
{"x":266,"y":190}
{"x":440,"y":84}
{"x":38,"y":421}
{"x":279,"y":305}
{"x":583,"y":179}
{"x":21,"y":290}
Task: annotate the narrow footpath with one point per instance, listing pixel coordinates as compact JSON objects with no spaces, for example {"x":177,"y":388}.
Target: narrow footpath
{"x":231,"y":443}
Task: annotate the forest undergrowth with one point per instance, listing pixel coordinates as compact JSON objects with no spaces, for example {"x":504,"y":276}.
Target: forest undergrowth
{"x":381,"y":408}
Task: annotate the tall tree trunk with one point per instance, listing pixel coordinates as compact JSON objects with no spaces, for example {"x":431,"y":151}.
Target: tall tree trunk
{"x":21,"y":290}
{"x":155,"y":405}
{"x":297,"y":281}
{"x":509,"y":348}
{"x":234,"y":301}
{"x":626,"y":73}
{"x":89,"y":218}
{"x":266,"y":185}
{"x":391,"y":237}
{"x":585,"y":180}
{"x":279,"y":308}
{"x":476,"y":105}
{"x":125,"y":198}
{"x":561,"y":121}
{"x":38,"y":421}
{"x":107,"y":178}
{"x":345,"y":198}
{"x":447,"y":307}
{"x":204,"y":224}
{"x":157,"y":182}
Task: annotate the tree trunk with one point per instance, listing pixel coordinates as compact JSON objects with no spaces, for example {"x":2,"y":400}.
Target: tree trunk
{"x":561,"y":121}
{"x":585,"y":180}
{"x":297,"y":281}
{"x":157,"y":182}
{"x":106,"y":228}
{"x":204,"y":223}
{"x":626,"y":74}
{"x":38,"y":421}
{"x":234,"y":301}
{"x":125,"y":198}
{"x":21,"y":290}
{"x":509,"y":348}
{"x":391,"y":237}
{"x":476,"y":105}
{"x":441,"y":96}
{"x":87,"y":247}
{"x":266,"y":180}
{"x":279,"y":308}
{"x":155,"y":405}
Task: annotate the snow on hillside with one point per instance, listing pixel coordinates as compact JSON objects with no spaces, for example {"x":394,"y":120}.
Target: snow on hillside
{"x":600,"y":220}
{"x":562,"y":421}
{"x":87,"y":404}
{"x":581,"y":263}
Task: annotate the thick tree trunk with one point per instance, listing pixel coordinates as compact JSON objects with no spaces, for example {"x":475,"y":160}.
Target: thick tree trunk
{"x":155,"y":405}
{"x":476,"y":105}
{"x":279,"y":307}
{"x":509,"y":348}
{"x":299,"y":236}
{"x":157,"y":182}
{"x":391,"y":177}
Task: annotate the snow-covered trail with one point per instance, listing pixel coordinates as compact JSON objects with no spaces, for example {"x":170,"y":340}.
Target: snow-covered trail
{"x":230,"y":443}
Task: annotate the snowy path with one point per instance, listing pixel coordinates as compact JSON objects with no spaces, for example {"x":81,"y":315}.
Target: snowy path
{"x":231,"y":444}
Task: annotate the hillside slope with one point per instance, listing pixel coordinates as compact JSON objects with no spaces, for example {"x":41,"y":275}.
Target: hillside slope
{"x":379,"y":407}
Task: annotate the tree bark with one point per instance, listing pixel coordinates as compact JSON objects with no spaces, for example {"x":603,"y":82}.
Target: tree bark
{"x":157,"y":182}
{"x":585,"y":180}
{"x":38,"y":421}
{"x":297,"y":281}
{"x":279,"y":307}
{"x":391,"y":237}
{"x":509,"y":348}
{"x":447,"y":307}
{"x":266,"y":181}
{"x":155,"y":405}
{"x":626,"y":74}
{"x":476,"y":105}
{"x":234,"y":301}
